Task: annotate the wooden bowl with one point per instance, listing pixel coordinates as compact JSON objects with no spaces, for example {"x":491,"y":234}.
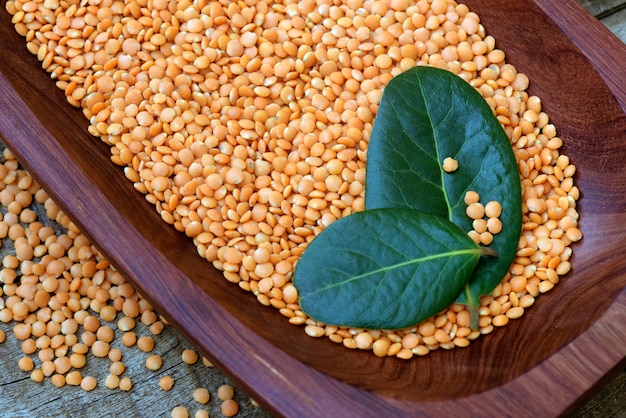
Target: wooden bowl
{"x":544,"y":364}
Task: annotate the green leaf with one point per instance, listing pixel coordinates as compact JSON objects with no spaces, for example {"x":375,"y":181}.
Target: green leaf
{"x":384,"y":269}
{"x":427,"y":114}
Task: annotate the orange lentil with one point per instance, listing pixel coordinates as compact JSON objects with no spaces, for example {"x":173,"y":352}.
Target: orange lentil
{"x":475,"y":210}
{"x":225,"y":392}
{"x":37,"y":375}
{"x":180,"y":412}
{"x":230,"y":408}
{"x":189,"y":356}
{"x":88,"y":383}
{"x":145,"y":343}
{"x":58,"y":380}
{"x":26,"y":364}
{"x":201,"y":395}
{"x":154,"y":362}
{"x":125,"y":384}
{"x":450,"y":164}
{"x":166,"y":383}
{"x":112,"y":381}
{"x":74,"y":378}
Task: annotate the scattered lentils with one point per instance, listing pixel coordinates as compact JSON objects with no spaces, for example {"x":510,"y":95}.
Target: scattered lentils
{"x":246,"y":124}
{"x":54,"y":315}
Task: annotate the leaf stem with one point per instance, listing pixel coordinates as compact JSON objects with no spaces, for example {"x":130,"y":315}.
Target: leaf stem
{"x":471,"y":307}
{"x":488,"y":252}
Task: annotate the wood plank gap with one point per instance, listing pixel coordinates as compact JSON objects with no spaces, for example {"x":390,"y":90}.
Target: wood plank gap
{"x":596,"y":7}
{"x":611,"y":11}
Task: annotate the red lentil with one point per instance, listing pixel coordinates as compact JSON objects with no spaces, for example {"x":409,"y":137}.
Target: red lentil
{"x":180,"y":412}
{"x":26,"y":364}
{"x":450,"y":164}
{"x":117,"y":368}
{"x":225,"y":392}
{"x":166,"y":383}
{"x":154,"y":362}
{"x":37,"y":375}
{"x":74,"y":378}
{"x":189,"y":356}
{"x":145,"y":343}
{"x":88,"y":383}
{"x":58,"y":380}
{"x":201,"y":395}
{"x":125,"y":384}
{"x":230,"y":408}
{"x":112,"y":381}
{"x":201,"y":413}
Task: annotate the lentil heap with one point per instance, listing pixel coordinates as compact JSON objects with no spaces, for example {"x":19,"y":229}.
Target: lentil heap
{"x":246,"y":124}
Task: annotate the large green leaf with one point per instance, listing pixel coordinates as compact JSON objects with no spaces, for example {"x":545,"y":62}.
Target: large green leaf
{"x":384,"y":268}
{"x":427,"y":114}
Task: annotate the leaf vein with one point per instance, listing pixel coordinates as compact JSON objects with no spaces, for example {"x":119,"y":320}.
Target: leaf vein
{"x":419,"y":260}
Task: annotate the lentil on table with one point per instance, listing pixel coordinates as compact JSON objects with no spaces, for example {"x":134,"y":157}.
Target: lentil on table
{"x":59,"y":299}
{"x":246,"y":124}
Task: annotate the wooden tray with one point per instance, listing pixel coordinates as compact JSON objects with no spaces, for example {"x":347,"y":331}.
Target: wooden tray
{"x":545,"y":364}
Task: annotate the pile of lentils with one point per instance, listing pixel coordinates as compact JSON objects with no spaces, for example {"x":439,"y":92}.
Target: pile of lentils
{"x":246,"y":124}
{"x":68,"y":306}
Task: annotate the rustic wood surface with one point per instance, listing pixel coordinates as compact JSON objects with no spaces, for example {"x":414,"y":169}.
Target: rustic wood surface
{"x":612,"y":13}
{"x":19,"y":397}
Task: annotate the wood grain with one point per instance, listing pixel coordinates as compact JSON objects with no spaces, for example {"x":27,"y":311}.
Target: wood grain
{"x":571,"y":340}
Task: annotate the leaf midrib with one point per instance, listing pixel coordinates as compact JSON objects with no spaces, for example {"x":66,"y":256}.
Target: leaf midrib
{"x":470,"y":251}
{"x":438,"y":158}
{"x":442,"y":173}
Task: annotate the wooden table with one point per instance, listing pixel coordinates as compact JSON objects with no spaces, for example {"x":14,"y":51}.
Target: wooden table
{"x":20,"y":397}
